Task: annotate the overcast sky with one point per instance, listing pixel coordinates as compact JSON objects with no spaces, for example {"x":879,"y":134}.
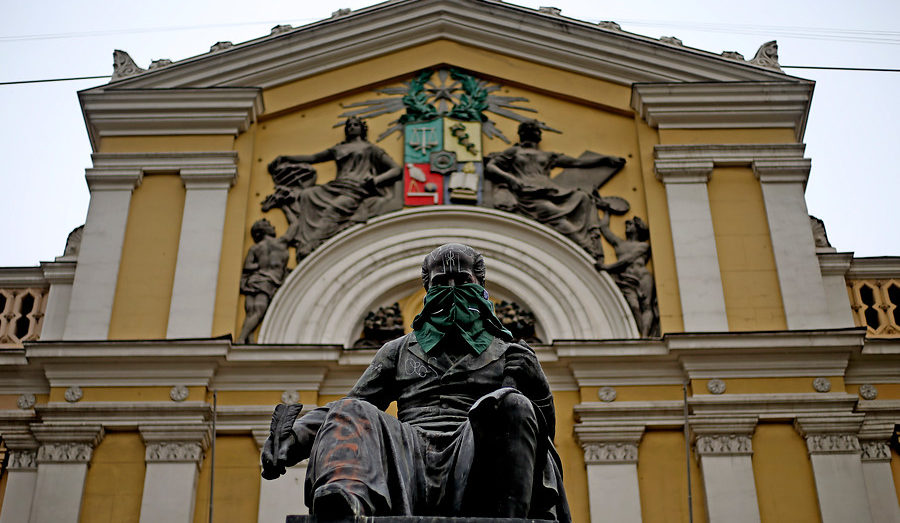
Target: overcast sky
{"x":852,"y":135}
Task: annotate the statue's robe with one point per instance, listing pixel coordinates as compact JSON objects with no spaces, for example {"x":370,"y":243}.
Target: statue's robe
{"x":420,"y":462}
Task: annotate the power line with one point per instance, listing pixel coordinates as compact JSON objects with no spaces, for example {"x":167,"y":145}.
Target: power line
{"x":16,"y":82}
{"x":821,"y":67}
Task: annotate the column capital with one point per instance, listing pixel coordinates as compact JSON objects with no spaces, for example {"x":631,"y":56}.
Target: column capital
{"x":613,"y":452}
{"x":175,"y":443}
{"x":782,"y":170}
{"x":23,"y":459}
{"x":208,"y":177}
{"x":873,"y":450}
{"x":724,"y":445}
{"x":113,"y":179}
{"x":66,"y":443}
{"x":683,"y":171}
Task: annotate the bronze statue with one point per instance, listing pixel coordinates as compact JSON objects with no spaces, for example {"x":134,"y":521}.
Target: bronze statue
{"x":523,"y":185}
{"x":631,"y":274}
{"x":264,"y":270}
{"x":474,"y":426}
{"x":362,"y":188}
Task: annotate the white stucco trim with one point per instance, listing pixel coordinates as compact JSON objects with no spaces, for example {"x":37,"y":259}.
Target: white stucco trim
{"x":325,"y":298}
{"x":199,"y":250}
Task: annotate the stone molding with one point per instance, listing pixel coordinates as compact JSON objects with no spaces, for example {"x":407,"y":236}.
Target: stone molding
{"x":173,"y":452}
{"x":530,"y":264}
{"x":724,"y":445}
{"x":559,"y":42}
{"x":883,"y":267}
{"x":600,"y":453}
{"x":771,"y":163}
{"x":59,"y":272}
{"x":832,"y":444}
{"x":149,"y":112}
{"x":724,"y":105}
{"x":835,"y":263}
{"x":22,"y":460}
{"x":202,"y":170}
{"x":112,"y":179}
{"x":65,"y":453}
{"x":875,"y":450}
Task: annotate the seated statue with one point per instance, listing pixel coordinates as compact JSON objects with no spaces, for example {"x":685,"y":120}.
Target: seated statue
{"x":523,"y":185}
{"x":474,"y":427}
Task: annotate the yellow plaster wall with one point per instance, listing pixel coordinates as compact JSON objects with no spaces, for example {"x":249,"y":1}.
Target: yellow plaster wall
{"x":166,"y":144}
{"x":236,"y":489}
{"x":785,"y":486}
{"x":744,"y":247}
{"x":637,"y":393}
{"x":390,"y":66}
{"x":886,"y":391}
{"x":769,"y":385}
{"x":729,"y":136}
{"x":115,"y":480}
{"x":127,"y":394}
{"x":147,"y":269}
{"x":571,"y":455}
{"x":258,"y":397}
{"x":662,"y":250}
{"x":662,"y":480}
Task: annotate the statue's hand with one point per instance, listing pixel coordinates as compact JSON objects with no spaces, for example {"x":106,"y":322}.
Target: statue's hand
{"x":277,"y":451}
{"x":523,"y":367}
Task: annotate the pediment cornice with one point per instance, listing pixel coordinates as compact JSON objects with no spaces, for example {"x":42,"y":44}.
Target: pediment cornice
{"x":549,"y":39}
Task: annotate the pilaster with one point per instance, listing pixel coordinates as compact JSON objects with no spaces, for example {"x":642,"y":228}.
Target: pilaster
{"x":173,"y":454}
{"x":63,"y":457}
{"x":61,"y":275}
{"x":21,"y":470}
{"x":783,"y":184}
{"x":97,"y":272}
{"x":200,"y":246}
{"x":279,"y":498}
{"x":694,"y":243}
{"x":834,"y":451}
{"x":724,"y":445}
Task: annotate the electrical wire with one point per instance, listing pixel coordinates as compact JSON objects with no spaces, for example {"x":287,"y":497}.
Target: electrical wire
{"x":18,"y":82}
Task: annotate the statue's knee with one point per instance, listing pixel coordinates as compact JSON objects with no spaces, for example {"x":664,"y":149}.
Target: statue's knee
{"x":516,"y":408}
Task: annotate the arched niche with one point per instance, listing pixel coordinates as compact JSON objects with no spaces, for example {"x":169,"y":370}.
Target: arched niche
{"x":325,"y":298}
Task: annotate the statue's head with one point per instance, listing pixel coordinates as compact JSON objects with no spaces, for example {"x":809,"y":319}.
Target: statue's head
{"x":530,"y":131}
{"x":453,"y":264}
{"x":356,"y":126}
{"x":261,"y":229}
{"x":636,"y":229}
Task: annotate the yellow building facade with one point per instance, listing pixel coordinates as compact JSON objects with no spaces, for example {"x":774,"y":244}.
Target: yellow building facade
{"x":771,"y":394}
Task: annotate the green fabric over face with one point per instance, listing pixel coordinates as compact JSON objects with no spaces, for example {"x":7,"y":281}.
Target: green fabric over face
{"x":463,"y":309}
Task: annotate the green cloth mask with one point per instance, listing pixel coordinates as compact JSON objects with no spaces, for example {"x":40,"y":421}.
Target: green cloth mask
{"x":463,"y":309}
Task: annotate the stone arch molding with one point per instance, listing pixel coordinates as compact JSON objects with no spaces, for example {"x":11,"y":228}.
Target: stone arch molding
{"x":325,"y":298}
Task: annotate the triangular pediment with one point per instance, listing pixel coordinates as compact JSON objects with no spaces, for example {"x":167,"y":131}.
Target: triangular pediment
{"x":545,"y":38}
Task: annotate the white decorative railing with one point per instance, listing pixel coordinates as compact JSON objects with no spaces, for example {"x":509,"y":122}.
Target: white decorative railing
{"x":21,"y":315}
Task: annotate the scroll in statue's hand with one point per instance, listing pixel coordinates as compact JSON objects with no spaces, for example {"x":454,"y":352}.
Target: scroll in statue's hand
{"x":523,"y":367}
{"x":276,"y":452}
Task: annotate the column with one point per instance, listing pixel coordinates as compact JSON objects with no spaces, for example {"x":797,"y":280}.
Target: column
{"x":694,"y":243}
{"x":880,"y":490}
{"x":173,"y":455}
{"x":802,"y":290}
{"x":62,"y":460}
{"x":725,"y":449}
{"x":21,"y":470}
{"x":834,"y":267}
{"x":611,"y":455}
{"x":834,"y":451}
{"x":199,"y":248}
{"x":97,"y":270}
{"x":60,"y":274}
{"x":279,"y":498}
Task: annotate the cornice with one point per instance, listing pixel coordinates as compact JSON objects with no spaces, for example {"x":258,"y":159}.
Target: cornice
{"x":126,"y":414}
{"x":773,"y":406}
{"x":151,"y":112}
{"x":628,"y":415}
{"x":538,"y":37}
{"x":874,"y":268}
{"x":59,"y":271}
{"x":22,"y":277}
{"x":836,"y":263}
{"x":721,"y":105}
{"x":730,"y":154}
